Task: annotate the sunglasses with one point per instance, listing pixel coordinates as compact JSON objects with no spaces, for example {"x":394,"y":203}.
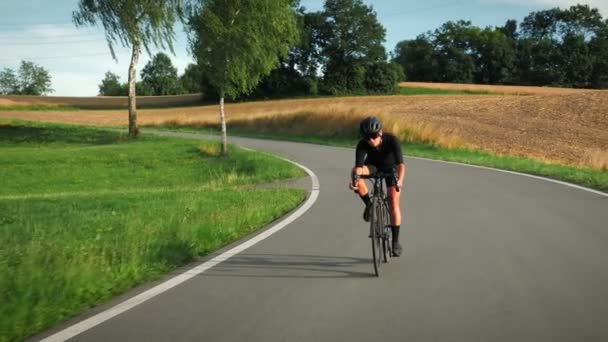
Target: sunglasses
{"x":372,"y":136}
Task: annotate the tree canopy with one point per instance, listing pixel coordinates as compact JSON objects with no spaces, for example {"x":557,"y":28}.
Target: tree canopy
{"x":237,"y":42}
{"x":135,"y":24}
{"x":555,"y":47}
{"x":30,"y":79}
{"x":351,"y":40}
{"x":111,"y":86}
{"x":160,"y":76}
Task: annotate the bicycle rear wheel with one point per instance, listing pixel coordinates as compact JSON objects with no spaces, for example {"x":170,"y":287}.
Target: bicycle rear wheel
{"x":376,"y":235}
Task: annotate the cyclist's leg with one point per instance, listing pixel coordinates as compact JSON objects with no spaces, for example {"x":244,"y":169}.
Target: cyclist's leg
{"x":364,"y":192}
{"x":394,"y":200}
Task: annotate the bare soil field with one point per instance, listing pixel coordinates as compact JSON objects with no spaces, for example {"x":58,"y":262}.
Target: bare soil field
{"x":568,"y":128}
{"x":98,"y":102}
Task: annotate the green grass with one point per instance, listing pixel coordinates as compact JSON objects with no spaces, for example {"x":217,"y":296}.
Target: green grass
{"x":86,"y":214}
{"x":592,"y":178}
{"x":37,"y":108}
{"x":427,"y":91}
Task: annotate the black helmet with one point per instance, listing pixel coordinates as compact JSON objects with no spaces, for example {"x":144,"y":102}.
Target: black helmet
{"x":370,"y":126}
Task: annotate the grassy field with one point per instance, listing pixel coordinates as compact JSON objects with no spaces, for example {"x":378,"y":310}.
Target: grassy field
{"x":86,"y":214}
{"x":410,"y":90}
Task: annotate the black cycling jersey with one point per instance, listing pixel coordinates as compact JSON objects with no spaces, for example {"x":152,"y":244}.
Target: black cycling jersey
{"x":386,"y":156}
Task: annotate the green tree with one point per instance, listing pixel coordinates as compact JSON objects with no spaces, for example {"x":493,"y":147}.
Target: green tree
{"x":297,"y":73}
{"x":510,"y":30}
{"x":537,"y":62}
{"x":306,"y":56}
{"x":417,"y":58}
{"x":284,"y":81}
{"x":9,"y":84}
{"x":494,"y":55}
{"x":541,"y":24}
{"x":160,"y":76}
{"x":598,"y":47}
{"x":34,"y":79}
{"x":352,"y":38}
{"x":237,"y":42}
{"x":454,"y":45}
{"x":30,"y":79}
{"x":382,"y":77}
{"x":111,"y":86}
{"x":192,"y":79}
{"x":556,"y":47}
{"x":576,"y":61}
{"x":580,"y":20}
{"x":134,"y":24}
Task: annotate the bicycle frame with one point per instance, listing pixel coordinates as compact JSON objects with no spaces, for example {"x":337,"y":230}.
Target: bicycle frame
{"x":380,"y":219}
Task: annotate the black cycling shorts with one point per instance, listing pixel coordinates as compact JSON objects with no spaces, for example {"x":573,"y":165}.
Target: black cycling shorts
{"x":392,"y":181}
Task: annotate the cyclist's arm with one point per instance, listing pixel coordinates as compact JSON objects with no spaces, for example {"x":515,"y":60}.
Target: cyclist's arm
{"x":359,"y":158}
{"x":400,"y":174}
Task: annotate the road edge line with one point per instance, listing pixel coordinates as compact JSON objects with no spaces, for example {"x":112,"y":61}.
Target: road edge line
{"x":130,"y":303}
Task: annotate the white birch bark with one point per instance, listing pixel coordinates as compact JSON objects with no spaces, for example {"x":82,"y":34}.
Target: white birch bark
{"x":223,"y":123}
{"x":133,"y":130}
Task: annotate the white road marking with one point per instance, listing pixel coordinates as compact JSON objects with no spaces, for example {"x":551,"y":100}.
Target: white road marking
{"x":101,"y":317}
{"x":597,"y":192}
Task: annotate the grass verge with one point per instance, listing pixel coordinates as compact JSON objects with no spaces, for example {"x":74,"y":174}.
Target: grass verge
{"x":428,"y":91}
{"x":86,"y":214}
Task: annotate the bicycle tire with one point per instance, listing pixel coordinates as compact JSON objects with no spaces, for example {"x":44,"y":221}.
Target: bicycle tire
{"x":386,"y":234}
{"x":375,"y":221}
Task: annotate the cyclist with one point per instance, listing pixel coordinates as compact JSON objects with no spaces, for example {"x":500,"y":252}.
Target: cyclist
{"x":380,"y":151}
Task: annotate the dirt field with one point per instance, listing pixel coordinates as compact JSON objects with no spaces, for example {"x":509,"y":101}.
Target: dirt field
{"x":569,"y":127}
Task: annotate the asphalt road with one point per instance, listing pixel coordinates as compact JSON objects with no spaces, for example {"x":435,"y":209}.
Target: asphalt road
{"x":488,"y":256}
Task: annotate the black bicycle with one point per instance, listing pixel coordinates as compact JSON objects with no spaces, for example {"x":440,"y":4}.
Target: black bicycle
{"x":379,"y":219}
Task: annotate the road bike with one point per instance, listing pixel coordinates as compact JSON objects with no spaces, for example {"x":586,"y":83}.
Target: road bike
{"x":379,"y":218}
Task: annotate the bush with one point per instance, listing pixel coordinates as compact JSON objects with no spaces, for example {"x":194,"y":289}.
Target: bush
{"x":344,"y":79}
{"x":382,"y":77}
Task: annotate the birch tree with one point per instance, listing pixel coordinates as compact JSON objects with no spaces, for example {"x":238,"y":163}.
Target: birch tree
{"x":134,"y":24}
{"x":237,"y":42}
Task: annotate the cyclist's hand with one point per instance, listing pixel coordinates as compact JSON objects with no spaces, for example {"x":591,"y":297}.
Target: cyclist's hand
{"x":354,"y":183}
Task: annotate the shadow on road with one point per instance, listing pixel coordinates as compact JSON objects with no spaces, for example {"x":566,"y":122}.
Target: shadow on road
{"x":291,"y":266}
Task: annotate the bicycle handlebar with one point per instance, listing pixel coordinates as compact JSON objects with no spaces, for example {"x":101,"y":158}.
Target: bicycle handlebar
{"x":378,"y":175}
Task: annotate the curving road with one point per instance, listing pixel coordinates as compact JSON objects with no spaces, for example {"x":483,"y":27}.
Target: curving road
{"x":488,"y":256}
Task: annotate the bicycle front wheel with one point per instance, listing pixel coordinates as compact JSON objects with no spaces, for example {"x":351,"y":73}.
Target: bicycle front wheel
{"x":376,"y":226}
{"x":386,"y":234}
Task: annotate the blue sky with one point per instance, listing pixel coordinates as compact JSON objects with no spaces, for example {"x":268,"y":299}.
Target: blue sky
{"x":77,"y":59}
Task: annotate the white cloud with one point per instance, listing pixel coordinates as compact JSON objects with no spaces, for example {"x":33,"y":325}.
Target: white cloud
{"x":602,"y":5}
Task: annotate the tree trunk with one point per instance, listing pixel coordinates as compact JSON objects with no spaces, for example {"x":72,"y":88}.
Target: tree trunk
{"x":133,"y":130}
{"x":223,"y":123}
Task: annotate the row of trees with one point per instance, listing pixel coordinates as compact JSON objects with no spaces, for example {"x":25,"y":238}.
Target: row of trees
{"x":554,"y":47}
{"x":158,"y":77}
{"x":30,"y":79}
{"x":265,"y":48}
{"x":343,"y":43}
